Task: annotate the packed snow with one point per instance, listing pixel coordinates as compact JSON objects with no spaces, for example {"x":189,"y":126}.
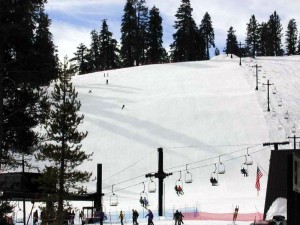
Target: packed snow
{"x":204,"y":115}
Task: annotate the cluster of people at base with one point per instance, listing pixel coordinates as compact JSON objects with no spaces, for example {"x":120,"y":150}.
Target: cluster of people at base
{"x":178,"y":218}
{"x":135,"y":216}
{"x":178,"y":190}
{"x":48,"y":219}
{"x":144,"y":202}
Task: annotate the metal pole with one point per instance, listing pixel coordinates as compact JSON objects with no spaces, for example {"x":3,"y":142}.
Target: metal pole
{"x":160,"y":181}
{"x":268,"y":96}
{"x":256,"y":77}
{"x":23,"y":181}
{"x":98,"y":201}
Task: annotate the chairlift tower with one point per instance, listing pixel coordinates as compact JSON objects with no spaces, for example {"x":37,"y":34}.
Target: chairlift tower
{"x":161,"y":175}
{"x":240,"y":48}
{"x":256,"y":66}
{"x":268,"y":97}
{"x":276,"y":144}
{"x":294,"y":137}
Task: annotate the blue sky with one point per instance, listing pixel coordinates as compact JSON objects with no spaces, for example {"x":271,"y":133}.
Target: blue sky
{"x":73,"y":20}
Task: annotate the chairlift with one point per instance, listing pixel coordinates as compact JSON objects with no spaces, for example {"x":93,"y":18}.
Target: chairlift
{"x":221,"y":167}
{"x":214,"y":177}
{"x":152,"y":186}
{"x":144,"y":197}
{"x":273,"y":112}
{"x":188,"y":177}
{"x":179,"y":182}
{"x":279,"y":102}
{"x":274,"y":91}
{"x":179,"y":186}
{"x":143,"y":194}
{"x":113,"y":198}
{"x":286,"y":115}
{"x":244,"y":170}
{"x":263,"y":88}
{"x":293,"y":128}
{"x":248,"y":159}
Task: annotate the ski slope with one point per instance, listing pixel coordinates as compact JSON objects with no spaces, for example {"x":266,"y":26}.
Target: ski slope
{"x":202,"y":114}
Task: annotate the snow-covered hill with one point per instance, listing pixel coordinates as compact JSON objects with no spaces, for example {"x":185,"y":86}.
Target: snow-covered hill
{"x":201,"y":114}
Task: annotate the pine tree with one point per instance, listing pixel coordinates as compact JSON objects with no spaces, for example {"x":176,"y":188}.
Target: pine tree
{"x":291,"y":37}
{"x":82,"y":60}
{"x":95,"y":63}
{"x":231,"y":43}
{"x":27,"y":61}
{"x":275,"y":29}
{"x":142,"y":27}
{"x":129,"y":30}
{"x":155,"y":34}
{"x":184,"y":47}
{"x":207,"y":31}
{"x":264,"y":39}
{"x":252,"y":36}
{"x":298,"y":46}
{"x":108,"y":49}
{"x":5,"y":209}
{"x":62,"y":148}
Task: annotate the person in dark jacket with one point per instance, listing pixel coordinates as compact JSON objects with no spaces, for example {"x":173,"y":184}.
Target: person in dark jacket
{"x":150,"y":217}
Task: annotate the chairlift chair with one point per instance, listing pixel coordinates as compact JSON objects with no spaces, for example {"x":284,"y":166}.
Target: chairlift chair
{"x":274,"y":91}
{"x":248,"y":159}
{"x":188,"y":177}
{"x":113,"y":198}
{"x":221,"y":167}
{"x":279,"y":102}
{"x":293,"y":129}
{"x":273,"y":113}
{"x":286,"y":115}
{"x":263,"y":88}
{"x":152,"y":186}
{"x":214,"y":177}
{"x":143,"y":194}
{"x":179,"y":182}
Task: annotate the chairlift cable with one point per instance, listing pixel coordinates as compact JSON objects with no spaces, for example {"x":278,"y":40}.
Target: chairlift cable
{"x":211,"y":158}
{"x":129,"y":166}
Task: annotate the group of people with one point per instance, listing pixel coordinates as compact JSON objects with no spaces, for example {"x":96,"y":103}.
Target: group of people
{"x":244,"y":172}
{"x":144,"y":202}
{"x":135,"y":216}
{"x":213,"y":181}
{"x":178,"y":218}
{"x":178,"y":190}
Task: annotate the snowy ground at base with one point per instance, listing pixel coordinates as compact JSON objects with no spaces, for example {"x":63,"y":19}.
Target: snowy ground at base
{"x":191,"y":222}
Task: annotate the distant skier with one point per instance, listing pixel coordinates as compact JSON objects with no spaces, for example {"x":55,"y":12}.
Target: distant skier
{"x":123,"y":106}
{"x":176,"y":217}
{"x":180,"y":219}
{"x":106,"y":81}
{"x":121,"y":216}
{"x":235,"y":213}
